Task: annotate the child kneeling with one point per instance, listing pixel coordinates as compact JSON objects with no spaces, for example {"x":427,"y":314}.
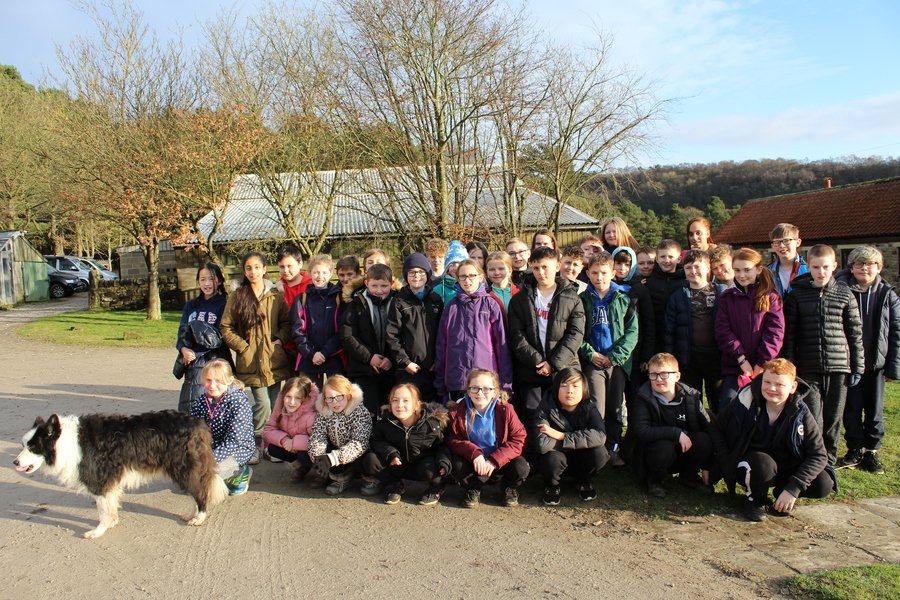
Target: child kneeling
{"x":225,"y":409}
{"x":768,"y":438}
{"x":286,"y":433}
{"x":486,"y":440}
{"x":407,"y":443}
{"x":340,"y":434}
{"x":670,"y":429}
{"x":570,"y":436}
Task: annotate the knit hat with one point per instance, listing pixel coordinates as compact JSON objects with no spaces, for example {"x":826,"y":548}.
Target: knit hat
{"x":456,"y":253}
{"x":416,"y":260}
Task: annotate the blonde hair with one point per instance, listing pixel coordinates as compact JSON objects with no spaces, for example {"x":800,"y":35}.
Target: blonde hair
{"x":221,"y":369}
{"x":340,"y":384}
{"x":413,"y":391}
{"x":318,"y":259}
{"x":501,"y":396}
{"x":866,"y":254}
{"x":470,"y":263}
{"x":503,"y":257}
{"x":623,"y":234}
{"x":663,"y":359}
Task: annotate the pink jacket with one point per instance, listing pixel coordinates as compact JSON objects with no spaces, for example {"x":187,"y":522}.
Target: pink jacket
{"x":296,"y":425}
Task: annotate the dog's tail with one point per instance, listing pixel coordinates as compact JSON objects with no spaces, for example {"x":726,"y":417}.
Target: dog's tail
{"x":218,"y":491}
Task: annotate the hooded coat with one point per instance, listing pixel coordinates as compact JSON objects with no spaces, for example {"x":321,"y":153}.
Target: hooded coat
{"x":741,"y":330}
{"x":797,"y":445}
{"x":880,"y":306}
{"x":296,"y":425}
{"x":425,"y":437}
{"x":347,"y":432}
{"x":412,"y":328}
{"x":316,"y":322}
{"x":259,"y":361}
{"x":471,"y":334}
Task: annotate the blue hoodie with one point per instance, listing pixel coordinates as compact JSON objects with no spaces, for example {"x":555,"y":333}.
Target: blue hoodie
{"x":601,"y":334}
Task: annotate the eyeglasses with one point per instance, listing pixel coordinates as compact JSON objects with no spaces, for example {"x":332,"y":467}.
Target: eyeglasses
{"x":783,"y":242}
{"x":866,"y":265}
{"x":662,"y":375}
{"x":415,"y":273}
{"x":467,"y":277}
{"x":519,"y":252}
{"x":480,"y":390}
{"x":333,"y":399}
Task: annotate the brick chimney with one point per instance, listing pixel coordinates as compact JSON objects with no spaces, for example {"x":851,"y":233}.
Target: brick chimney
{"x":827,"y":182}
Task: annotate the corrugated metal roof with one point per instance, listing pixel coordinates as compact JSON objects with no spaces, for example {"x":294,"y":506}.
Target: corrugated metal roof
{"x":366,"y":202}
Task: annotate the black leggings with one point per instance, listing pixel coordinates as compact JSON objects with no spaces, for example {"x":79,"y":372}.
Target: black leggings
{"x":513,"y":474}
{"x":581,"y":464}
{"x":423,"y":469}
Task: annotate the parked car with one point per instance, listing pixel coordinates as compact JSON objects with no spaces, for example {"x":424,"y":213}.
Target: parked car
{"x":104,"y":272}
{"x":84,"y":266}
{"x":64,"y":283}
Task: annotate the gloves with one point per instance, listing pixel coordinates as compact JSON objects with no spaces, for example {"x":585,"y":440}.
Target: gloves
{"x":854,"y":379}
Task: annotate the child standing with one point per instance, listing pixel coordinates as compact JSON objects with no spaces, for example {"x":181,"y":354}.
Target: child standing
{"x":293,"y":280}
{"x":199,"y":340}
{"x":571,"y":265}
{"x":610,"y":336}
{"x":347,"y":270}
{"x":667,"y":276}
{"x":879,"y":309}
{"x":256,"y":325}
{"x":407,"y":443}
{"x":364,"y":336}
{"x":446,"y":289}
{"x":768,"y":439}
{"x":720,"y":265}
{"x":287,"y":431}
{"x":477,"y":252}
{"x":225,"y":410}
{"x":340,"y":433}
{"x":823,"y":338}
{"x":315,"y":323}
{"x":435,"y":251}
{"x":500,"y":285}
{"x":646,"y":261}
{"x":546,"y":328}
{"x":789,"y":264}
{"x":570,"y":437}
{"x":518,"y":252}
{"x":412,"y":326}
{"x":616,"y":233}
{"x":749,"y":323}
{"x":628,"y":278}
{"x":669,"y":430}
{"x":471,"y":334}
{"x":690,"y":329}
{"x":486,"y":440}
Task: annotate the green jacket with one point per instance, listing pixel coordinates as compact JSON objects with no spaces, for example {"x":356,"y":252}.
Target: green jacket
{"x":623,"y":325}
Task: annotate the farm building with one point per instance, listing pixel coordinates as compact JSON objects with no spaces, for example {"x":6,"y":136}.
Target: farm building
{"x":843,"y":217}
{"x":23,"y":270}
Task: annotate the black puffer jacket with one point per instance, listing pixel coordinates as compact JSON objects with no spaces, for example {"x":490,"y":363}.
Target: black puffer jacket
{"x":640,"y":299}
{"x":206,"y":342}
{"x":565,"y":331}
{"x":362,"y":336}
{"x":583,"y":427}
{"x":822,"y":333}
{"x":646,"y":424}
{"x":881,"y":304}
{"x":412,"y":328}
{"x":797,"y":444}
{"x":425,"y":437}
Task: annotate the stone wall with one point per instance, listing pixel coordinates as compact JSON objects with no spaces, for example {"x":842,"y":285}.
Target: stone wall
{"x":131,"y":294}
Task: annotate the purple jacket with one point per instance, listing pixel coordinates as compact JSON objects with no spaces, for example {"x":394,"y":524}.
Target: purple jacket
{"x":471,"y":335}
{"x":740,"y":329}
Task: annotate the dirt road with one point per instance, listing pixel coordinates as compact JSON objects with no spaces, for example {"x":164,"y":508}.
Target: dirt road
{"x":284,"y":540}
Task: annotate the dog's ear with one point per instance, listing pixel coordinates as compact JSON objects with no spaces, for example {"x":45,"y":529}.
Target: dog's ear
{"x":53,"y":426}
{"x":38,"y":422}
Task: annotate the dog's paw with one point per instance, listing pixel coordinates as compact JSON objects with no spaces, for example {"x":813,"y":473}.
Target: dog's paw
{"x":197,"y":519}
{"x":93,"y":534}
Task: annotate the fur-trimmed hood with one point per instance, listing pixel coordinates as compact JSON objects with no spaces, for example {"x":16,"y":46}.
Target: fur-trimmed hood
{"x":358,"y":284}
{"x":429,"y":410}
{"x":356,"y":400}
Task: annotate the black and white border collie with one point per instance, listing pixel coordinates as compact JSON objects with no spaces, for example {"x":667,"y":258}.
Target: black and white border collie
{"x":104,"y":455}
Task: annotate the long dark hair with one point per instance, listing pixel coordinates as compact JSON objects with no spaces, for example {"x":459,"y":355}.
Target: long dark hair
{"x":216,"y":272}
{"x":246,"y":304}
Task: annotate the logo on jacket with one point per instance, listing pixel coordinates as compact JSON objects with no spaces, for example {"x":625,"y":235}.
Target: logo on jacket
{"x":800,"y":429}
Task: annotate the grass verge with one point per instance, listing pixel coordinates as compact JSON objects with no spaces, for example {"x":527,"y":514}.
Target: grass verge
{"x":104,"y":328}
{"x":852,"y":583}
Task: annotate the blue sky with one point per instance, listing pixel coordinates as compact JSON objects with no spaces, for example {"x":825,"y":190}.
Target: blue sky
{"x":750,"y":79}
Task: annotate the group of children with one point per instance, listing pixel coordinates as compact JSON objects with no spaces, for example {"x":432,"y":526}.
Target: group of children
{"x":476,"y":366}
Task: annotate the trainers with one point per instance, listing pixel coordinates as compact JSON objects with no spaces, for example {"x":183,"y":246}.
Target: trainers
{"x":551,"y":495}
{"x":754,"y":511}
{"x":587,"y":492}
{"x":371,"y":487}
{"x":656,"y":489}
{"x":240,"y":483}
{"x":615,"y":460}
{"x":510,"y":497}
{"x":254,"y":458}
{"x":336,"y":488}
{"x":431,"y":496}
{"x":392,"y":497}
{"x":472,"y":498}
{"x":271,"y":458}
{"x":870,"y":463}
{"x":850,"y":460}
